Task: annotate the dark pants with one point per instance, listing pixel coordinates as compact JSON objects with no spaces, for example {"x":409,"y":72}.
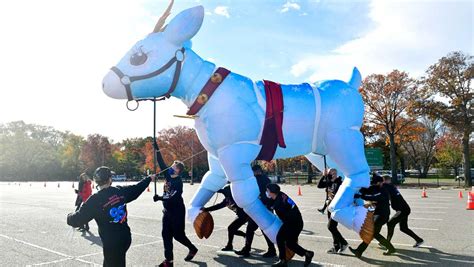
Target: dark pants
{"x":115,"y":250}
{"x":337,"y":239}
{"x":78,"y":206}
{"x":379,"y":221}
{"x":402,"y":218}
{"x":173,"y":227}
{"x":288,"y":236}
{"x":249,"y":234}
{"x":234,"y":226}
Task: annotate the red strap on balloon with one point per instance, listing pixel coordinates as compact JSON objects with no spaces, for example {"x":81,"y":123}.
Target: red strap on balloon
{"x":272,"y":135}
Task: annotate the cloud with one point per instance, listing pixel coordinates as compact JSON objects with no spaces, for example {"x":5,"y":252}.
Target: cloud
{"x":289,"y":5}
{"x":409,"y":36}
{"x":222,"y":11}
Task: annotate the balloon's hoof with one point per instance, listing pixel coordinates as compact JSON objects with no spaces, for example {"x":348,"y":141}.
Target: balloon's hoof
{"x":204,"y":225}
{"x":289,"y":254}
{"x":367,"y":231}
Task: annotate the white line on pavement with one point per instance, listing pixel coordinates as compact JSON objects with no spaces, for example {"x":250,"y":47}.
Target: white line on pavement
{"x":446,"y":259}
{"x":427,"y":229}
{"x":426,"y":219}
{"x":45,"y":249}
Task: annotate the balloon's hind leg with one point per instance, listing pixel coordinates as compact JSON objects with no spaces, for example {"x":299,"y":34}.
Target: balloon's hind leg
{"x":346,"y":148}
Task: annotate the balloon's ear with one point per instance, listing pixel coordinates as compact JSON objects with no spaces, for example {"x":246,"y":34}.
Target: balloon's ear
{"x":184,"y":26}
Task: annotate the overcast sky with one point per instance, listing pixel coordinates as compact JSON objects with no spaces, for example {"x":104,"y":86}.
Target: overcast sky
{"x":54,"y":53}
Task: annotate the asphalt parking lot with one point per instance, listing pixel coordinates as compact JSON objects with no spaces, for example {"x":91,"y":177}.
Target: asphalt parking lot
{"x":33,"y":231}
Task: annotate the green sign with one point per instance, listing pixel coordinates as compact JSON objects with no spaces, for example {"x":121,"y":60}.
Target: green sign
{"x":374,"y":157}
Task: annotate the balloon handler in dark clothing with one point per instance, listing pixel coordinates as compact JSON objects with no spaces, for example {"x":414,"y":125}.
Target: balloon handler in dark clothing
{"x":380,"y":198}
{"x":108,"y":208}
{"x":331,"y":182}
{"x":290,"y":216}
{"x":174,"y":214}
{"x":241,"y":219}
{"x":402,"y":209}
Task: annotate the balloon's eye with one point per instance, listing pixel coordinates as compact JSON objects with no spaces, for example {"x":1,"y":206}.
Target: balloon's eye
{"x":138,"y":58}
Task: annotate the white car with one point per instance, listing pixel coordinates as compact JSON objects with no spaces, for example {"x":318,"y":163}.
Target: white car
{"x":400,"y":177}
{"x":119,"y":177}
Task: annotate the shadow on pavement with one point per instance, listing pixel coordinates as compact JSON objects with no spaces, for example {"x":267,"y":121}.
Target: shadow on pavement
{"x":422,"y":256}
{"x":88,"y":235}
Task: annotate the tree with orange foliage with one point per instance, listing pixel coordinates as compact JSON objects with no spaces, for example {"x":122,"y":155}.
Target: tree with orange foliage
{"x":178,"y":143}
{"x":389,"y":101}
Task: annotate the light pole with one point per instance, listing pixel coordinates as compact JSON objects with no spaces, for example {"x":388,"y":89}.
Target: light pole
{"x":192,"y":160}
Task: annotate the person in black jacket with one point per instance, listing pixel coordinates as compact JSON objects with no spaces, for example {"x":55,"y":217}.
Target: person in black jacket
{"x":402,"y":209}
{"x":331,"y":182}
{"x":108,"y":208}
{"x":290,"y":216}
{"x":242,"y":218}
{"x":174,"y":214}
{"x":380,"y":198}
{"x":262,"y":182}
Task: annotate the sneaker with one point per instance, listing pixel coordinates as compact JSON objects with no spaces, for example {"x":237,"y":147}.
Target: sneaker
{"x":190,"y":255}
{"x":243,"y":252}
{"x":355,"y":252}
{"x":228,"y":248}
{"x":389,"y":252}
{"x":418,"y":244}
{"x":343,"y":248}
{"x":332,"y":250}
{"x":308,"y":256}
{"x":321,"y":211}
{"x":280,"y":263}
{"x":166,"y":263}
{"x":269,"y":254}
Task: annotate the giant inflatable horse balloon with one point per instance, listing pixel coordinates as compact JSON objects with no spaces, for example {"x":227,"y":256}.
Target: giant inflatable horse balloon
{"x":318,"y":119}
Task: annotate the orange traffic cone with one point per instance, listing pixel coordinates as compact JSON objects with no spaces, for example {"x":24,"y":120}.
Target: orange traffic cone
{"x":299,"y":191}
{"x":148,"y":189}
{"x":423,"y":193}
{"x":470,"y":201}
{"x":460,"y":194}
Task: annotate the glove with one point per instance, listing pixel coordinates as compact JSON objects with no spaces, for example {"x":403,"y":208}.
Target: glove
{"x":363,"y":190}
{"x":157,"y":197}
{"x":357,"y":195}
{"x":68,"y":219}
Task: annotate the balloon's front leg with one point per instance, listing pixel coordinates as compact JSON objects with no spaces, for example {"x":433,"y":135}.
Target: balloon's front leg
{"x":235,"y":159}
{"x":212,"y":181}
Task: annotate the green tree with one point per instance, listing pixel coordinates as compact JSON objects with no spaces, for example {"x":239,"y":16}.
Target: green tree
{"x":70,"y":153}
{"x":450,"y":78}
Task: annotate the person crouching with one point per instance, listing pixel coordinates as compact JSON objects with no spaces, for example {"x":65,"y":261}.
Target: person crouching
{"x":291,"y":228}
